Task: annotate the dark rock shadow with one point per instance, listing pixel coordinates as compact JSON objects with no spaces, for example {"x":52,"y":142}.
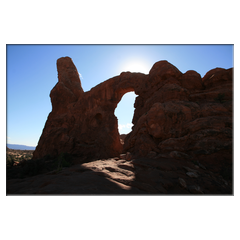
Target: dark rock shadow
{"x":114,"y":176}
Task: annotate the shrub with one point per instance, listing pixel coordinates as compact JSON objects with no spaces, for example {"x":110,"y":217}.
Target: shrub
{"x":63,"y":160}
{"x":10,"y":160}
{"x":32,"y":167}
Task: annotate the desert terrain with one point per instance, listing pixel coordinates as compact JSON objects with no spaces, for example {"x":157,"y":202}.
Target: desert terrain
{"x":181,"y":140}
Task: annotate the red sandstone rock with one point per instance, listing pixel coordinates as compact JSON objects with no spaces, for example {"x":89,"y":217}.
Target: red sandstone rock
{"x":176,"y":115}
{"x":83,"y":123}
{"x":201,"y":126}
{"x":192,"y":81}
{"x":68,"y":89}
{"x":217,"y":77}
{"x":182,"y":123}
{"x":163,"y":70}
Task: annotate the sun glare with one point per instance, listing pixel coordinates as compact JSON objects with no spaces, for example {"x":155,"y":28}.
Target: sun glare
{"x":136,"y":66}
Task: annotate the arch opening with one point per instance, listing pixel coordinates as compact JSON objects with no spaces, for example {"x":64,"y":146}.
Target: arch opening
{"x":124,"y":112}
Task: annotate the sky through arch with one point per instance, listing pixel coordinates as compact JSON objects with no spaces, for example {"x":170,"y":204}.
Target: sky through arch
{"x":124,"y":111}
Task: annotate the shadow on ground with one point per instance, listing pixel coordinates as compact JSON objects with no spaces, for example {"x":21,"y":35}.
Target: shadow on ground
{"x":115,"y":176}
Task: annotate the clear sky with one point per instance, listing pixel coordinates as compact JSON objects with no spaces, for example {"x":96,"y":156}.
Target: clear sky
{"x":32,"y":73}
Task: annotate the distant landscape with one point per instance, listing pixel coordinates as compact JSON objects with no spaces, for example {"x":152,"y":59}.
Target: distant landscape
{"x":20,"y":147}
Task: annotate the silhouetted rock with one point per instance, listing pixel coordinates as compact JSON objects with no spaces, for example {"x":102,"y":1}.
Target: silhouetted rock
{"x":83,"y":123}
{"x":186,"y":117}
{"x":177,"y":115}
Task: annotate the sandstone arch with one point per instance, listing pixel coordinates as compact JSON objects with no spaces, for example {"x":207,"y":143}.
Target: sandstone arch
{"x":83,"y":123}
{"x":125,"y":111}
{"x":176,"y":115}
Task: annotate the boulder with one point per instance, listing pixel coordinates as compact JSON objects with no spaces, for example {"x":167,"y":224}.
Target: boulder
{"x":192,"y":81}
{"x":217,"y":77}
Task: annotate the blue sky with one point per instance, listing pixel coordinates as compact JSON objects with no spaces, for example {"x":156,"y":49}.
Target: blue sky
{"x":32,"y":73}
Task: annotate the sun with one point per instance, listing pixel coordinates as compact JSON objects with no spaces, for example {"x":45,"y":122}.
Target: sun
{"x":136,"y":66}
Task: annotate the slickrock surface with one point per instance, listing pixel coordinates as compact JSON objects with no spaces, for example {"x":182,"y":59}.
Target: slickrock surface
{"x":121,"y":176}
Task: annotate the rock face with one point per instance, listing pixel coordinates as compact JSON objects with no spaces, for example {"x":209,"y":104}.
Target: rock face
{"x":181,"y":116}
{"x":83,"y":123}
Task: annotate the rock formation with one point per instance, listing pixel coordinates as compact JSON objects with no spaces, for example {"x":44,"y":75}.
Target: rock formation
{"x":184,"y":116}
{"x":176,"y":115}
{"x":180,"y":143}
{"x":83,"y":123}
